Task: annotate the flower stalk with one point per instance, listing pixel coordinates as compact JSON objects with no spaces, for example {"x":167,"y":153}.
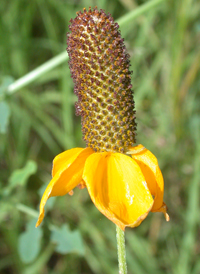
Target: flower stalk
{"x":120,"y":235}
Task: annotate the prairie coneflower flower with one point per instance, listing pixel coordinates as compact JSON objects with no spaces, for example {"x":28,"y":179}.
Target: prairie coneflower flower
{"x":124,"y":180}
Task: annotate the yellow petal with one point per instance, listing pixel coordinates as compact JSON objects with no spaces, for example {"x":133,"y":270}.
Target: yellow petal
{"x":66,"y":178}
{"x":65,"y":158}
{"x":152,"y":173}
{"x":117,"y":187}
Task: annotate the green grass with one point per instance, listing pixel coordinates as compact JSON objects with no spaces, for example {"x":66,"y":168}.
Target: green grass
{"x":162,"y":38}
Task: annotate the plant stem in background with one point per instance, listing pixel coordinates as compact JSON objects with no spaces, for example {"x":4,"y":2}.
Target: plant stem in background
{"x":126,"y":19}
{"x":34,"y":74}
{"x":120,"y":235}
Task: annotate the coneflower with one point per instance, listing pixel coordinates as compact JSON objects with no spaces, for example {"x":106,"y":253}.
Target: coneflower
{"x":125,"y":189}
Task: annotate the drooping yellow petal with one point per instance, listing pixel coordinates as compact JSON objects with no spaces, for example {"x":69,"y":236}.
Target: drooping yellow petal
{"x":65,"y":158}
{"x":67,"y":176}
{"x":117,"y":187}
{"x":153,"y":176}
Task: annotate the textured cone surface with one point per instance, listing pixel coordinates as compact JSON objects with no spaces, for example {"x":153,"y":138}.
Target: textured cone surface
{"x":99,"y":66}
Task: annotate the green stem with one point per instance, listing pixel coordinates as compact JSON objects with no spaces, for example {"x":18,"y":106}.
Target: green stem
{"x":34,"y":74}
{"x":62,"y":57}
{"x":121,"y":250}
{"x":126,"y":19}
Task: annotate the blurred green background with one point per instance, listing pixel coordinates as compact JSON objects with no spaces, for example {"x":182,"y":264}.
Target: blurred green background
{"x":37,"y":121}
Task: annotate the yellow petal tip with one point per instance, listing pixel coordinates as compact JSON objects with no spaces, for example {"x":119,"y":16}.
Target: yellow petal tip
{"x":163,"y":209}
{"x":71,"y":192}
{"x":40,"y":219}
{"x":167,"y":218}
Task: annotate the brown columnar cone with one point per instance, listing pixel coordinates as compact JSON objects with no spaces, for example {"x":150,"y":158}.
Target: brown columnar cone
{"x":99,"y":65}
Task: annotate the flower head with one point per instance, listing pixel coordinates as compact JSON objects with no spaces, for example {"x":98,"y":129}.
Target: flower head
{"x":99,"y":66}
{"x":124,"y":181}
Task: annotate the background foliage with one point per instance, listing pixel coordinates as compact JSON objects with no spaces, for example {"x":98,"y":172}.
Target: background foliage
{"x":37,"y":122}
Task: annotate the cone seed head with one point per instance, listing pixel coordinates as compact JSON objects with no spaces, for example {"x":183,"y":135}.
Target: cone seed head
{"x":99,"y":65}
